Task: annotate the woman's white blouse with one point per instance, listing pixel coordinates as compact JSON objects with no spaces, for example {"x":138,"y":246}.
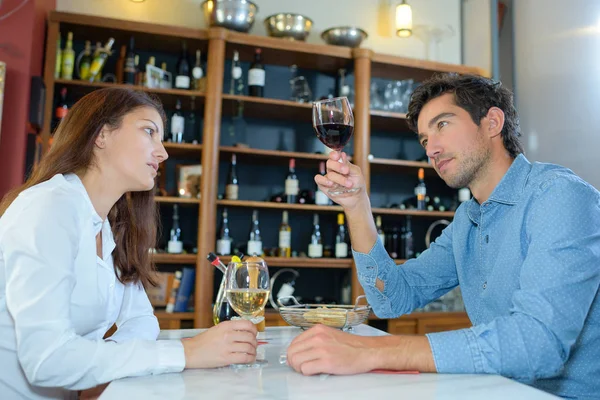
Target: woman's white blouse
{"x":58,"y":299}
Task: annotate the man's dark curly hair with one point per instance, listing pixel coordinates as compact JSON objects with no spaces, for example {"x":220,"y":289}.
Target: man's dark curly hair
{"x":474,"y":94}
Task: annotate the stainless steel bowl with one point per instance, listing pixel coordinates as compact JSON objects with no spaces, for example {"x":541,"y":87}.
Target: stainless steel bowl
{"x":237,"y":15}
{"x":289,"y":26}
{"x":344,"y":36}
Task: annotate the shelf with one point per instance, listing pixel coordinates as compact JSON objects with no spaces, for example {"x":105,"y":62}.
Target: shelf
{"x":168,"y":97}
{"x":405,"y":166}
{"x":175,"y":200}
{"x":267,"y":108}
{"x":148,"y":36}
{"x":303,"y":262}
{"x":393,"y":67}
{"x":166,"y":258}
{"x":414,"y":213}
{"x":176,"y":315}
{"x":284,"y":52}
{"x":281,"y":206}
{"x":261,"y":156}
{"x":183,"y":149}
{"x":387,"y":120}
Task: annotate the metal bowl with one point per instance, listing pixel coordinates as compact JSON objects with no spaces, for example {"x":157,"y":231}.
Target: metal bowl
{"x":289,"y":26}
{"x":344,"y":36}
{"x":237,"y":15}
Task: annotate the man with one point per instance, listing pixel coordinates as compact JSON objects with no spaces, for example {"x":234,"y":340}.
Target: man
{"x":525,"y":251}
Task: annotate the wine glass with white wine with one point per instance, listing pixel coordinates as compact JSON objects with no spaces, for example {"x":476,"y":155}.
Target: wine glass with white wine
{"x":248,"y":287}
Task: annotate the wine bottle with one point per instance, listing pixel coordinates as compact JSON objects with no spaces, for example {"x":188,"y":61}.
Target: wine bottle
{"x":192,"y":126}
{"x":291,"y":184}
{"x":175,"y":246}
{"x":182,"y":69}
{"x":394,"y":245}
{"x":197,"y":71}
{"x":232,"y":185}
{"x":254,"y":239}
{"x":320,"y":197}
{"x":99,"y":59}
{"x":315,"y":248}
{"x":130,"y":71}
{"x":62,"y":108}
{"x":58,"y":62}
{"x":421,"y":190}
{"x":285,"y":236}
{"x":86,"y":61}
{"x":341,"y":245}
{"x":165,"y":82}
{"x":120,"y":65}
{"x":407,"y":239}
{"x":224,"y":240}
{"x":380,"y":231}
{"x":68,"y":58}
{"x":256,"y":76}
{"x":237,"y":83}
{"x":177,"y":124}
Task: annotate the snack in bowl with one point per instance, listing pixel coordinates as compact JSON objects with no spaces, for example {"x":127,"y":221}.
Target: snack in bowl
{"x":334,"y":317}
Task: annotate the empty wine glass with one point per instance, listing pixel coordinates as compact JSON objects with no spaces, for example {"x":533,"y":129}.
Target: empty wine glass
{"x":333,"y":122}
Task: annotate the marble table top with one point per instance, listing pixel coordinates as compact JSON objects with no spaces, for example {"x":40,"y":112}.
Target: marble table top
{"x":278,"y":381}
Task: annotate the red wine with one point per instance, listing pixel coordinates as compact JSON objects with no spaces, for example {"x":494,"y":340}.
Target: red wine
{"x":334,"y":136}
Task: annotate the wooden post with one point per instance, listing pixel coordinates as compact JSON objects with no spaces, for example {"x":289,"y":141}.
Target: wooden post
{"x":362,"y":128}
{"x":210,"y":176}
{"x":49,"y":66}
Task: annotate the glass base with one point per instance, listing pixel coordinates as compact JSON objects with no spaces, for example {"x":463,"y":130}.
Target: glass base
{"x":338,"y":190}
{"x":255,"y":364}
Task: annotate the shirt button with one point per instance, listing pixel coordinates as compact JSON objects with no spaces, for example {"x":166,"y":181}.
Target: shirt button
{"x":487,"y":238}
{"x":484,"y":285}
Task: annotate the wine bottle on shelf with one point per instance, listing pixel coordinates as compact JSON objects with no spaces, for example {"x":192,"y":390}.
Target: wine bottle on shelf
{"x":129,"y":70}
{"x":341,"y":244}
{"x":421,"y":190}
{"x":380,"y":231}
{"x":120,"y":65}
{"x":100,"y":57}
{"x":68,"y":58}
{"x":232,"y":185}
{"x":177,"y":124}
{"x":192,"y":125}
{"x":165,"y":82}
{"x":182,"y":69}
{"x":86,"y":61}
{"x":139,"y":76}
{"x":62,"y":108}
{"x":291,"y":184}
{"x":58,"y":62}
{"x":285,"y":236}
{"x":198,"y":72}
{"x":315,"y":248}
{"x":237,"y":83}
{"x":407,"y":239}
{"x":255,"y":247}
{"x":256,"y":76}
{"x":175,"y":246}
{"x":321,"y":198}
{"x":394,"y":243}
{"x":224,"y":240}
{"x":343,"y":89}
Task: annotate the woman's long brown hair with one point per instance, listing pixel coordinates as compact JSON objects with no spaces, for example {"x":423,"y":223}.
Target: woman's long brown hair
{"x":134,"y":217}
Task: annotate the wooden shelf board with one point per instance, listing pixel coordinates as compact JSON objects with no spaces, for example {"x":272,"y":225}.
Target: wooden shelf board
{"x":175,"y":200}
{"x":183,"y":149}
{"x":394,"y":67}
{"x":261,"y":156}
{"x":161,"y":314}
{"x":166,"y":258}
{"x":388,"y":121}
{"x":303,"y":262}
{"x":284,"y":52}
{"x":281,"y":206}
{"x":414,"y":213}
{"x":148,"y":36}
{"x":168,"y":97}
{"x":405,"y":166}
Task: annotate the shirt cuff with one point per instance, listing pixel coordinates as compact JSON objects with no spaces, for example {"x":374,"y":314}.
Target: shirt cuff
{"x":171,"y":357}
{"x":456,"y":352}
{"x":366,"y":264}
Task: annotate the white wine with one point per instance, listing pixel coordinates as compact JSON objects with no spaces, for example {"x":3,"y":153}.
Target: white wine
{"x":247,"y":302}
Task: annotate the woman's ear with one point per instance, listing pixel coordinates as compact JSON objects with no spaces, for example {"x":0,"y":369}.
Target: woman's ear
{"x":100,"y":141}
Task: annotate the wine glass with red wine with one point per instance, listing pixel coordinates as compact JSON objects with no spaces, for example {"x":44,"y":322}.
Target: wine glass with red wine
{"x":334,"y":124}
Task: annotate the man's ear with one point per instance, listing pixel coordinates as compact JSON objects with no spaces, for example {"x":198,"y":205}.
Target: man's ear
{"x":495,"y":121}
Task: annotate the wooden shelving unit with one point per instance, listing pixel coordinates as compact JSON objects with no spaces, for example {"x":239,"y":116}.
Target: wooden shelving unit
{"x":248,"y":154}
{"x":218,"y":44}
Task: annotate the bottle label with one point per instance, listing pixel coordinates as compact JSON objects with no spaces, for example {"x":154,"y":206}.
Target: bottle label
{"x":315,"y":250}
{"x":291,"y":187}
{"x":61,"y":112}
{"x":254,"y":247}
{"x":321,"y":198}
{"x":236,"y":72}
{"x":197,"y":73}
{"x":231,"y":192}
{"x":285,"y":239}
{"x":174,"y":246}
{"x":420,"y":191}
{"x":382,"y":238}
{"x":182,"y":82}
{"x":224,"y":247}
{"x":341,"y":250}
{"x":177,"y":124}
{"x":256,"y":77}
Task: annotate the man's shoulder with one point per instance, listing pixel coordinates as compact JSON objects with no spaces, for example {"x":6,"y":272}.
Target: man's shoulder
{"x":548,"y":176}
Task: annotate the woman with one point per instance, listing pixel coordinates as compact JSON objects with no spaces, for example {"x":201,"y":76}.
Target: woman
{"x":74,"y":259}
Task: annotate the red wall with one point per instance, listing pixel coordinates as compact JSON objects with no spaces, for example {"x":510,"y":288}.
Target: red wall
{"x":22,"y":49}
